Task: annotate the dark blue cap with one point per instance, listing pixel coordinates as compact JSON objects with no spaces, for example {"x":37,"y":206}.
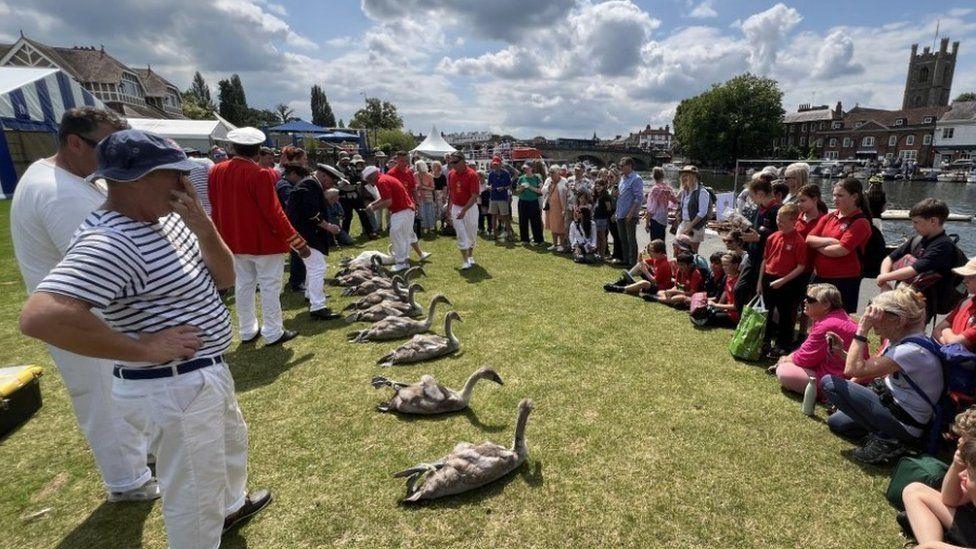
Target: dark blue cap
{"x":128,"y":155}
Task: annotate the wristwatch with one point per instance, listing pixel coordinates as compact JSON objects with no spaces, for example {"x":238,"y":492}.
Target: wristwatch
{"x":860,"y":338}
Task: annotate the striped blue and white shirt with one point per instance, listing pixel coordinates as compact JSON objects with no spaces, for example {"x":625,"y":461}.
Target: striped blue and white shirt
{"x":145,"y":277}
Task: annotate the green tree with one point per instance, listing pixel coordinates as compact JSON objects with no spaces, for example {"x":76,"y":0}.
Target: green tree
{"x":395,"y":140}
{"x":284,"y":112}
{"x":201,"y":90}
{"x":193,"y":109}
{"x":260,"y":118}
{"x":340,"y":125}
{"x":967,"y":96}
{"x":737,"y":119}
{"x":322,"y":114}
{"x":233,"y":102}
{"x":377,"y":114}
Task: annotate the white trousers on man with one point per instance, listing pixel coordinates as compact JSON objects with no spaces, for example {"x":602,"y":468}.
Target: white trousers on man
{"x":401,"y":234}
{"x":265,"y":271}
{"x":200,"y":445}
{"x":315,"y":266}
{"x":120,"y":452}
{"x":467,"y":228}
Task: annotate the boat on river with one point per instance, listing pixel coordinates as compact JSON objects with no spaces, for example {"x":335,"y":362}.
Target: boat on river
{"x":902,"y":215}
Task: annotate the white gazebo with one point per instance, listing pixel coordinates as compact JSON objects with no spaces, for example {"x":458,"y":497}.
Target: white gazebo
{"x":434,"y":145}
{"x":199,"y":134}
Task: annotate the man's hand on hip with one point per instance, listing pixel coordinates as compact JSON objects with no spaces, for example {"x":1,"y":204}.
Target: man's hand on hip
{"x":177,"y":343}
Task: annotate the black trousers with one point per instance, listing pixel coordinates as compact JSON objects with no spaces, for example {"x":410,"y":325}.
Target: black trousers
{"x":784,"y":302}
{"x":618,"y":248}
{"x":296,"y":271}
{"x":657,"y":230}
{"x":745,"y":287}
{"x":530,"y":215}
{"x":350,"y":205}
{"x":849,"y":288}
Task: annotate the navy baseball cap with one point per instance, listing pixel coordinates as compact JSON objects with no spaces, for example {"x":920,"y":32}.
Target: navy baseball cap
{"x":128,"y":155}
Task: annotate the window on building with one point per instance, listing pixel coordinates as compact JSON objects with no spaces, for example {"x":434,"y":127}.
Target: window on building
{"x":900,"y":122}
{"x":859,"y":123}
{"x":848,"y":142}
{"x":803,"y":141}
{"x":909,"y":139}
{"x":832,"y":142}
{"x":927,"y":120}
{"x":131,"y":89}
{"x":892,"y":140}
{"x":803,"y":128}
{"x":819,"y":142}
{"x":792,"y":128}
{"x":831,"y":155}
{"x":908,"y":155}
{"x":836,"y":125}
{"x":867,"y":141}
{"x":821,"y":126}
{"x":923,"y":74}
{"x":927,"y":139}
{"x":947,"y":133}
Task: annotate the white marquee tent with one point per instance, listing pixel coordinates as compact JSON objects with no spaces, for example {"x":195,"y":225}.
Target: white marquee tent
{"x":199,"y":134}
{"x":434,"y":145}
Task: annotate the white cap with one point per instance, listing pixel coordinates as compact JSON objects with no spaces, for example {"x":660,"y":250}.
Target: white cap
{"x":369,"y":171}
{"x":246,"y":136}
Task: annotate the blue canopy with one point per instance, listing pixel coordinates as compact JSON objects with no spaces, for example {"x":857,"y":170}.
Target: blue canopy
{"x":338,"y":136}
{"x":298,"y":126}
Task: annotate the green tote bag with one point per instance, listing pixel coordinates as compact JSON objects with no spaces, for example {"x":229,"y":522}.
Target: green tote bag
{"x":747,"y":340}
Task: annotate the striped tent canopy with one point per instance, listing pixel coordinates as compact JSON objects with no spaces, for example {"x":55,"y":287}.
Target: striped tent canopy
{"x":33,"y":99}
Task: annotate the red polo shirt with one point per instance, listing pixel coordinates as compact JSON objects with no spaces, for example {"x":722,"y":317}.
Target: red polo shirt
{"x":463,"y":184}
{"x":661,"y":269}
{"x":964,"y":321}
{"x":390,"y":187}
{"x":852,"y":236}
{"x":784,"y":252}
{"x":246,"y":211}
{"x":690,"y":282}
{"x":728,"y":296}
{"x":405,"y":177}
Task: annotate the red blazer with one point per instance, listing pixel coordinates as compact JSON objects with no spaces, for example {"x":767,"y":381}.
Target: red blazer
{"x":246,"y":211}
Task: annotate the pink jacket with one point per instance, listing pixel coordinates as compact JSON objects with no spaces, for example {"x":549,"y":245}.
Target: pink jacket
{"x":814,"y":353}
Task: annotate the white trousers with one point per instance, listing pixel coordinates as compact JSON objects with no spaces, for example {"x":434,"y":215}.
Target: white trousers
{"x":201,"y":449}
{"x":265,"y":271}
{"x":401,"y":234}
{"x":120,"y":451}
{"x":467,"y":228}
{"x":315,"y":266}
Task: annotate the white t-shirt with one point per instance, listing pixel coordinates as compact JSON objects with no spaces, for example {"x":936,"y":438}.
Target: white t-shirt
{"x":925,"y":370}
{"x":49,"y":205}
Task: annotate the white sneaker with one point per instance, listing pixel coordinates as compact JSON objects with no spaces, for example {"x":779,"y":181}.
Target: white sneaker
{"x":471,"y":261}
{"x":465,"y":266}
{"x":425,"y":255}
{"x":399,"y":267}
{"x":147,"y":492}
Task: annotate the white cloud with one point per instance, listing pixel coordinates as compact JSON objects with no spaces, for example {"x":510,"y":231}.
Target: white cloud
{"x":766,"y":31}
{"x":703,"y":10}
{"x":835,"y":57}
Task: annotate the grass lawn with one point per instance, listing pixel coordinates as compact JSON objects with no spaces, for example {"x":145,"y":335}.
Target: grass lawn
{"x":645,"y":432}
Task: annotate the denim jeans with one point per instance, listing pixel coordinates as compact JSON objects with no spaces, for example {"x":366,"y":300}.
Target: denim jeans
{"x":860,"y":412}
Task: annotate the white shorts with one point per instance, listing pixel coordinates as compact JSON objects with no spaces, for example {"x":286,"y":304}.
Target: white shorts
{"x":467,"y":228}
{"x":697,"y":235}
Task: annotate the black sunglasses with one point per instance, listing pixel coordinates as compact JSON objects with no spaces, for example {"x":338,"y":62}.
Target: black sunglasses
{"x":809,"y":300}
{"x":91,"y":142}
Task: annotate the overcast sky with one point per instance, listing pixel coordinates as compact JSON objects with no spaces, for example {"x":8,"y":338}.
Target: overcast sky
{"x":527,"y":67}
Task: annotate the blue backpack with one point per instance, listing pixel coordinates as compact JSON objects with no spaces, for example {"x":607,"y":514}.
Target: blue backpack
{"x":959,"y":383}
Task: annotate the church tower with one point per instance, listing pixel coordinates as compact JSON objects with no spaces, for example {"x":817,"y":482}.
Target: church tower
{"x":930,"y":76}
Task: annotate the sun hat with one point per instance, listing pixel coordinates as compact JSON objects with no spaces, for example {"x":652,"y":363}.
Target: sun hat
{"x":689,"y":169}
{"x":369,"y":171}
{"x":332,"y":171}
{"x":356,"y":159}
{"x":380,"y":154}
{"x":246,"y":136}
{"x":969,"y":269}
{"x":129,"y":155}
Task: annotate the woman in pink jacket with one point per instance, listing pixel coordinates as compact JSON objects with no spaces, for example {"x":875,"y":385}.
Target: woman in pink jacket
{"x":824,"y":306}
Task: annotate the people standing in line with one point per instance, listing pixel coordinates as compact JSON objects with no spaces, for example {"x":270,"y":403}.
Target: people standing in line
{"x":796,"y":176}
{"x":198,"y":176}
{"x":291,"y":175}
{"x":629,"y":200}
{"x":249,"y":217}
{"x":394,"y":197}
{"x":808,"y":200}
{"x":152,"y":262}
{"x":440,"y":191}
{"x":694,"y":203}
{"x":308,"y":213}
{"x":50,"y":202}
{"x":659,"y":200}
{"x":425,"y":198}
{"x":529,"y":190}
{"x":351,"y":196}
{"x":499,"y":205}
{"x":837,"y":238}
{"x":579,"y":183}
{"x":464,"y":186}
{"x":555,"y":200}
{"x":402,"y":171}
{"x":782,"y":279}
{"x":763,"y":225}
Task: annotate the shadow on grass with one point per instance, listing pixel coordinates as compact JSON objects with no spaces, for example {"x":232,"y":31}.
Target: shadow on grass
{"x":475,"y":274}
{"x":234,"y":540}
{"x":532,"y":475}
{"x":467,"y":413}
{"x":263,"y":364}
{"x":124,"y":520}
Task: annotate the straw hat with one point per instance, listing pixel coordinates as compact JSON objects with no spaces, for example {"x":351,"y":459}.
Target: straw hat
{"x":969,"y":269}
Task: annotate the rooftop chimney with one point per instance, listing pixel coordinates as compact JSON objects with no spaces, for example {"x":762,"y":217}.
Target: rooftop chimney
{"x":944,"y":45}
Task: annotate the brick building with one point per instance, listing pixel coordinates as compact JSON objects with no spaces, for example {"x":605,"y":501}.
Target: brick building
{"x":803,"y":129}
{"x":875,"y":134}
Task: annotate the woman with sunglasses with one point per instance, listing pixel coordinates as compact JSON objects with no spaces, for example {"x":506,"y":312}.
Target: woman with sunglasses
{"x":894,"y":415}
{"x":813,"y":358}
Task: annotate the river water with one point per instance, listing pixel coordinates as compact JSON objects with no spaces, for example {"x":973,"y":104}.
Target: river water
{"x":960,"y":197}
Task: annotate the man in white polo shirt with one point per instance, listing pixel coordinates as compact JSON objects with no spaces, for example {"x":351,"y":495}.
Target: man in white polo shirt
{"x":50,"y":202}
{"x":152,"y":261}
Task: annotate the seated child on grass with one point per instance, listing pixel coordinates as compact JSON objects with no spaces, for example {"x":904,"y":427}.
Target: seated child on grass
{"x":582,"y":236}
{"x":716,"y":284}
{"x":651,"y":274}
{"x":721,"y":311}
{"x":687,"y":281}
{"x":947,"y":518}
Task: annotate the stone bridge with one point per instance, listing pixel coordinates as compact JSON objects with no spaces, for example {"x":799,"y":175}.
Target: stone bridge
{"x":643,"y":160}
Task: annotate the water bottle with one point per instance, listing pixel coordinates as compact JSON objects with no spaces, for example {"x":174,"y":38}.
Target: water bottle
{"x":810,"y":397}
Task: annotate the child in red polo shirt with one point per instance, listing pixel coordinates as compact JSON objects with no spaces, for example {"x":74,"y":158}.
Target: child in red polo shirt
{"x":959,"y":326}
{"x":782,"y":282}
{"x":687,"y":282}
{"x":651,"y":273}
{"x":722,"y":311}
